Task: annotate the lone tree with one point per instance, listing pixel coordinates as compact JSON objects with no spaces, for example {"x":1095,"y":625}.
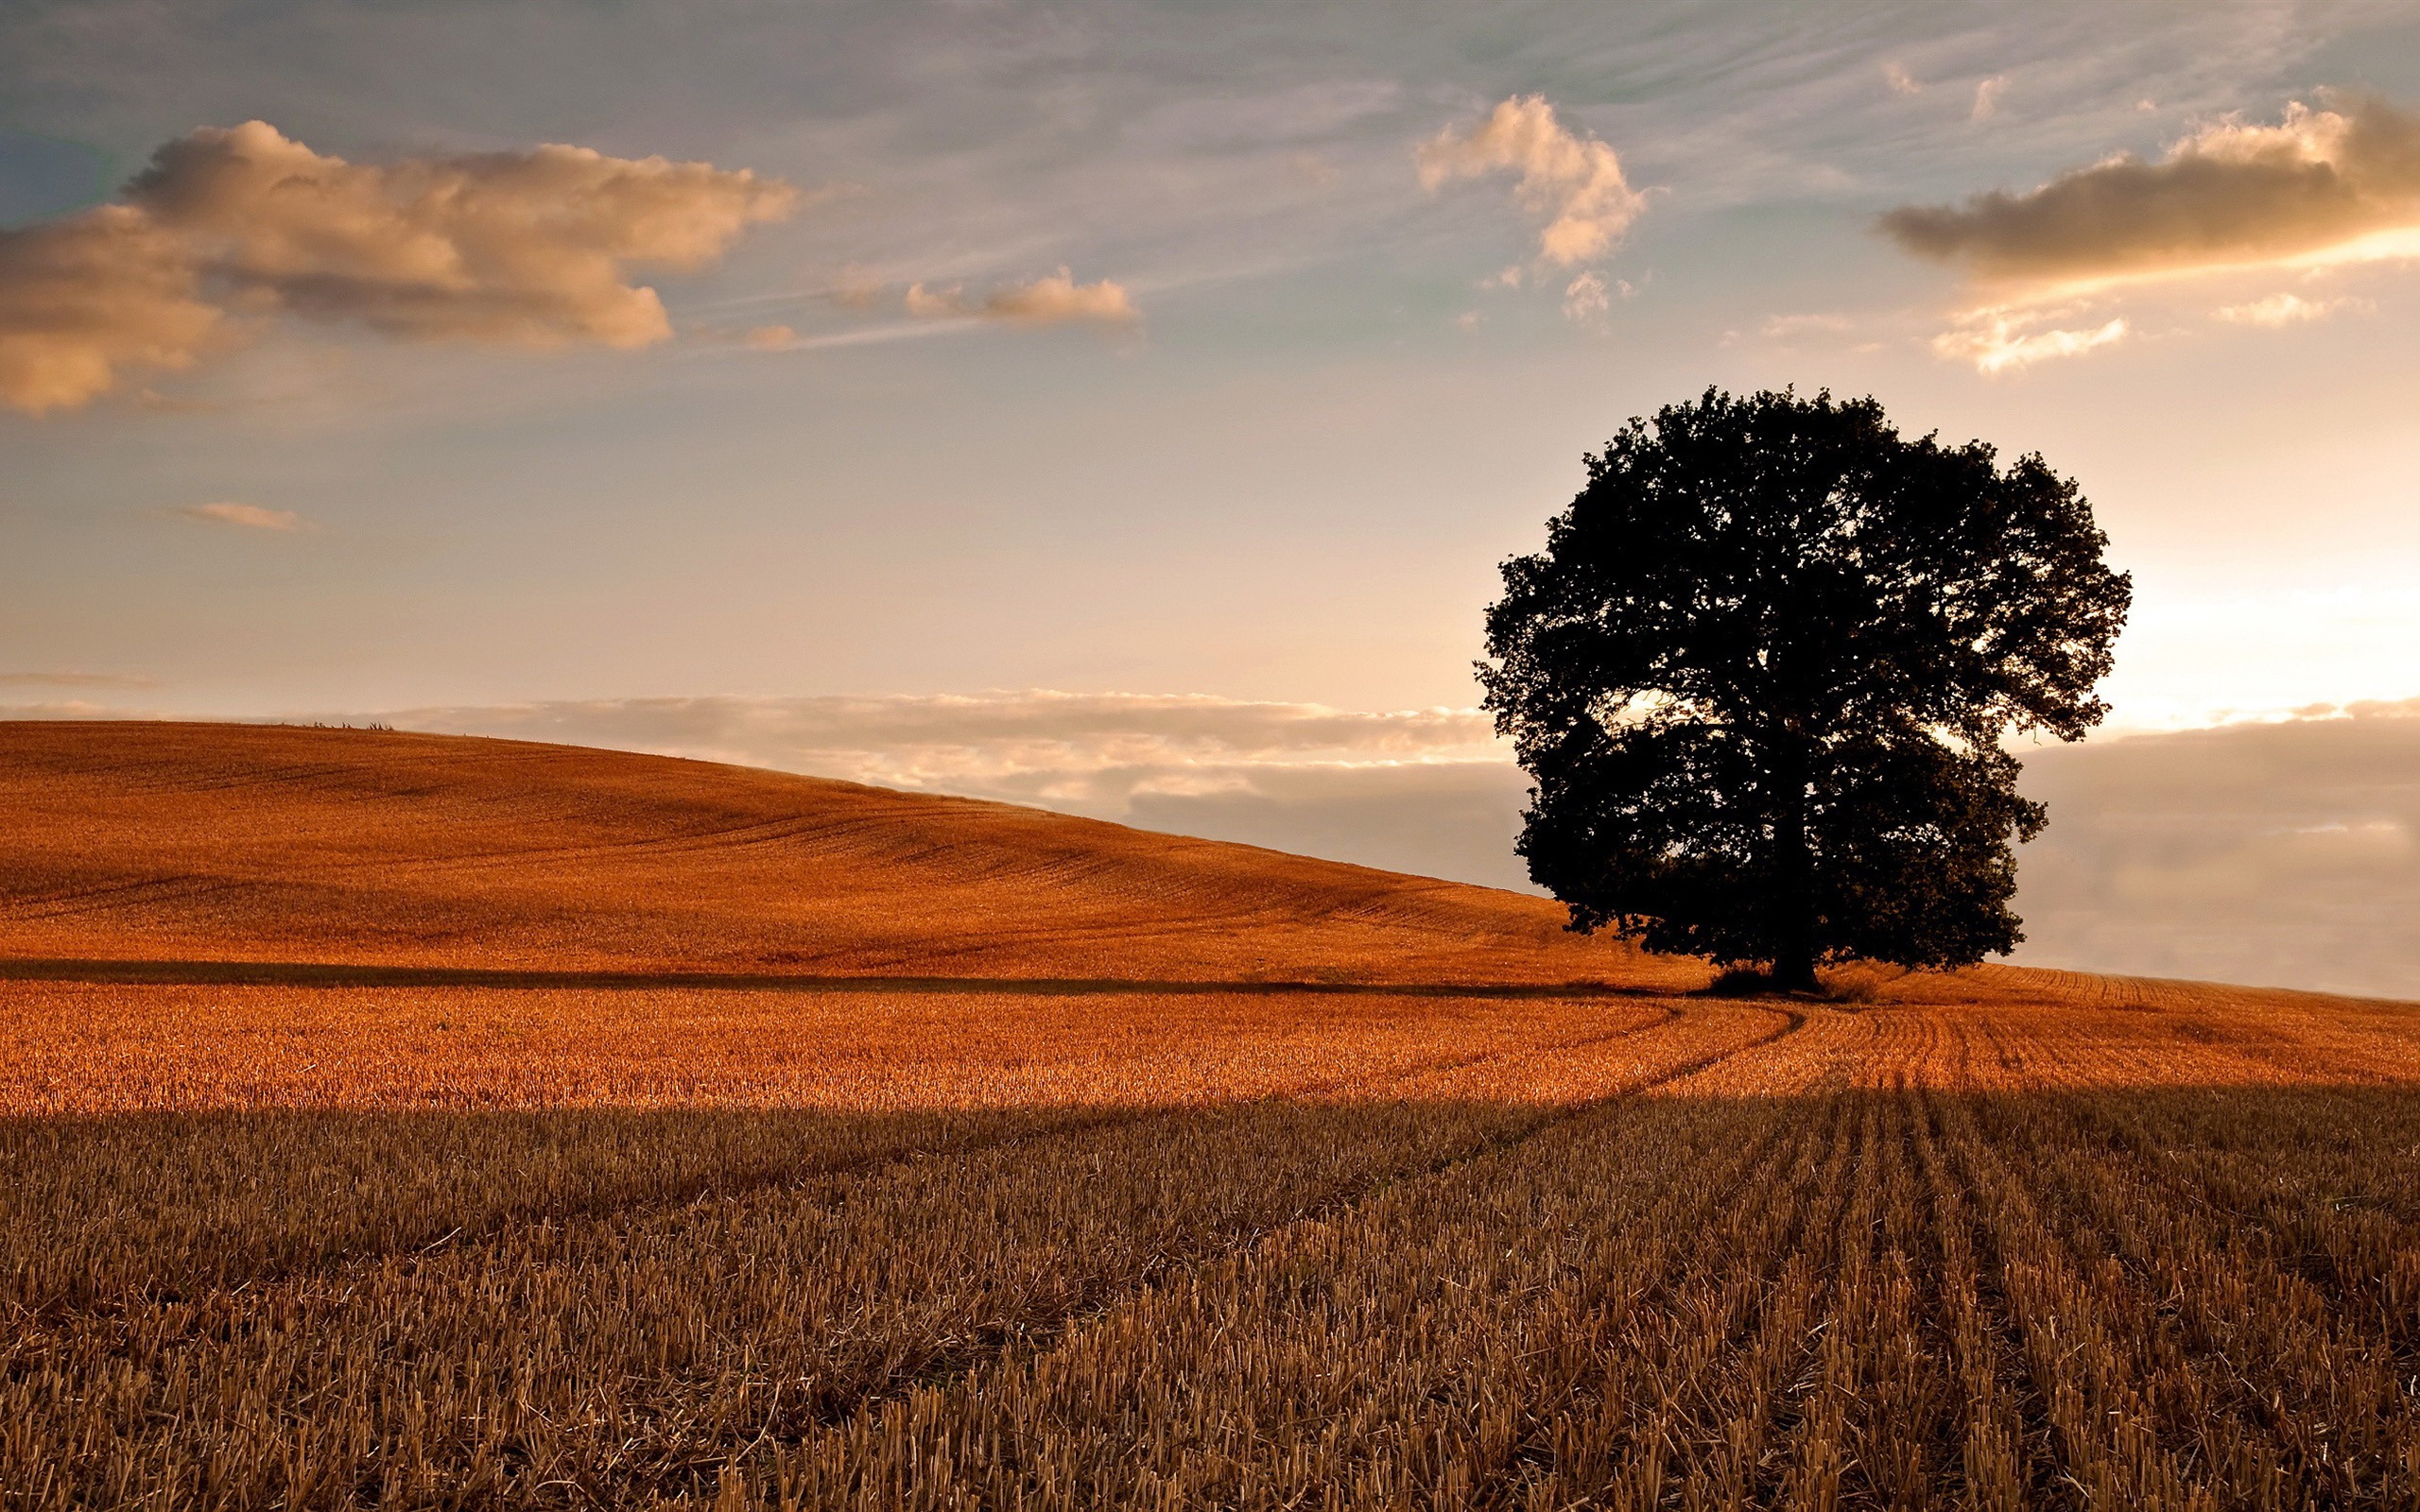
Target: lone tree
{"x":1762,"y":670}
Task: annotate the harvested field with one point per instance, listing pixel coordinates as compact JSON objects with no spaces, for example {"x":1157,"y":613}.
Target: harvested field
{"x":1513,"y":1234}
{"x":97,"y":1049}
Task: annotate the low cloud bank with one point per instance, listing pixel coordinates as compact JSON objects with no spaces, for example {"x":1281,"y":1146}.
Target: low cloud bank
{"x":2284,"y":853}
{"x":525,"y":248}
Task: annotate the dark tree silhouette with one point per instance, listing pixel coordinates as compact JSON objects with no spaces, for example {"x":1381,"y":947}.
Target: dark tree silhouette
{"x":1762,"y":670}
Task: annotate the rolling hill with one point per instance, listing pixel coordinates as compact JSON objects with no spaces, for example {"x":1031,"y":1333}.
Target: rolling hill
{"x":199,"y":842}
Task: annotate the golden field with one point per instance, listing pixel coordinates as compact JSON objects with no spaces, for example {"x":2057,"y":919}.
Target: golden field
{"x":232,"y":843}
{"x":405,"y":1121}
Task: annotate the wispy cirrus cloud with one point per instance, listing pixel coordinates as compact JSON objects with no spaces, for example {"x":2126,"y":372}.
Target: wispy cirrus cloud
{"x":1055,"y":299}
{"x":534,"y":248}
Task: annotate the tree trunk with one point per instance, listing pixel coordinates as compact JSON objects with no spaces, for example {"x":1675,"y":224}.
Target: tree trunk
{"x":1793,"y":901}
{"x":1794,"y":969}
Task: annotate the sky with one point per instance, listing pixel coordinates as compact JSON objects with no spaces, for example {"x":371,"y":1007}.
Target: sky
{"x":1125,"y":407}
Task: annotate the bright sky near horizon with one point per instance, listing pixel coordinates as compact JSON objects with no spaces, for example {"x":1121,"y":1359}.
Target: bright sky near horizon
{"x":531,"y":354}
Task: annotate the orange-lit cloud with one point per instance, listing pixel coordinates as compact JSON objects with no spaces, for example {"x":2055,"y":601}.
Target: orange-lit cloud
{"x":525,"y":248}
{"x":1576,"y":182}
{"x":1057,"y":300}
{"x":2285,"y":309}
{"x":242,"y":516}
{"x":83,"y":301}
{"x":1585,"y":297}
{"x":2324,"y":185}
{"x":1996,"y":340}
{"x":2053,"y":268}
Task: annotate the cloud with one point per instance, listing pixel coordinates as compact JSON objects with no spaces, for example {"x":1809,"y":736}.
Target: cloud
{"x":525,"y":248}
{"x":2321,"y":188}
{"x":84,"y":300}
{"x":2281,"y":854}
{"x":1060,"y":297}
{"x":1057,"y":300}
{"x":1584,"y":298}
{"x":1576,"y":182}
{"x":1995,"y":341}
{"x":1895,"y":75}
{"x":2324,"y":185}
{"x":1987,"y":100}
{"x":2283,"y":309}
{"x":769,"y":337}
{"x":243,"y":516}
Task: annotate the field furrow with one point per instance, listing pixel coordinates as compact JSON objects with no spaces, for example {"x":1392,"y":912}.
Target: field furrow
{"x":106,"y":1213}
{"x":1389,"y":1354}
{"x":540,"y":1354}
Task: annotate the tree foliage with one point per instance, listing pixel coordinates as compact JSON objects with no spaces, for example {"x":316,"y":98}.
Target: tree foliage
{"x":1761,"y":674}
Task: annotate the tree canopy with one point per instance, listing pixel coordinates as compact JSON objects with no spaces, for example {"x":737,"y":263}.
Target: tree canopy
{"x":1761,"y":675}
